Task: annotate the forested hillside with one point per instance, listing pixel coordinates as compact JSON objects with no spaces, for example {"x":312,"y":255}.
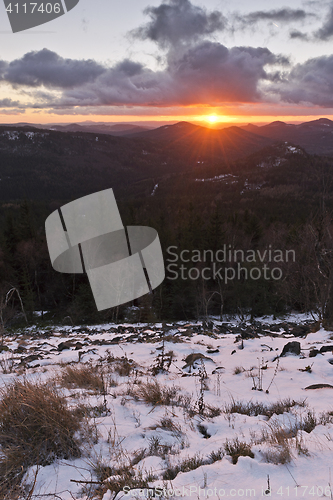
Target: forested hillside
{"x":277,"y":199}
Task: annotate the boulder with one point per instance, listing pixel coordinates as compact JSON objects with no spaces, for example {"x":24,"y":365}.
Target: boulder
{"x":319,"y":386}
{"x":326,"y":348}
{"x":313,"y":353}
{"x":291,"y":348}
{"x":64,"y":345}
{"x":300,"y":330}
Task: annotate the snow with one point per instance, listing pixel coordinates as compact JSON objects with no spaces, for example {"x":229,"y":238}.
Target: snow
{"x":13,"y":135}
{"x":134,"y":424}
{"x":154,"y":190}
{"x":218,"y":178}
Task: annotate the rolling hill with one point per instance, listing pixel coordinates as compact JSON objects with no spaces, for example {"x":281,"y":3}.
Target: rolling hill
{"x":316,"y":136}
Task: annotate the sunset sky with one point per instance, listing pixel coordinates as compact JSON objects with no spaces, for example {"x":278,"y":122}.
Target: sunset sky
{"x":150,"y":60}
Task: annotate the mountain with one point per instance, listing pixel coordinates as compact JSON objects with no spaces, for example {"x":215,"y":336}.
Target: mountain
{"x":205,"y":143}
{"x":119,"y":129}
{"x":316,"y":136}
{"x":43,"y":164}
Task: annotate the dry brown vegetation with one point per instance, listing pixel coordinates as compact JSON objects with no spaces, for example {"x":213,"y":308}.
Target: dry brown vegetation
{"x":84,"y":376}
{"x":36,"y":427}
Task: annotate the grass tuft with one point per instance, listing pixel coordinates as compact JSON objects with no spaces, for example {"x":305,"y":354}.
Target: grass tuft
{"x":238,"y":449}
{"x":83,"y":376}
{"x":36,"y":427}
{"x":255,"y":408}
{"x":153,"y":393}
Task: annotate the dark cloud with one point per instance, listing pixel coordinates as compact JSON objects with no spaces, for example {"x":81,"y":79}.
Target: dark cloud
{"x":212,"y":73}
{"x":8,"y":103}
{"x":310,"y":82}
{"x":47,"y":68}
{"x":12,"y":111}
{"x":204,"y":74}
{"x":177,"y":21}
{"x":286,"y":15}
{"x":295,"y":34}
{"x":326,"y":31}
{"x":3,"y":67}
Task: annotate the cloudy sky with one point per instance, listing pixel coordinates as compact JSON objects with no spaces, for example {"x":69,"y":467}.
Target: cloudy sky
{"x":137,"y":60}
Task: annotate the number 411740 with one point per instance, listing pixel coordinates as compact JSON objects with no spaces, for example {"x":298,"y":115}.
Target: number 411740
{"x":304,"y":491}
{"x":30,"y":8}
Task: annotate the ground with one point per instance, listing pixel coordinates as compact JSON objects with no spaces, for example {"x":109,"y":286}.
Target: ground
{"x":183,"y":410}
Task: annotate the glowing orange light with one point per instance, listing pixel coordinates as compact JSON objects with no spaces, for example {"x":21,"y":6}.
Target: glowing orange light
{"x":212,"y":118}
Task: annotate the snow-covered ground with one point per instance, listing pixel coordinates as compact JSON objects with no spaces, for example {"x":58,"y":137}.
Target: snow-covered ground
{"x":211,"y":398}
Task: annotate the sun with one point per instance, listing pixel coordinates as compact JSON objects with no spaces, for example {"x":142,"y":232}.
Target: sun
{"x":212,"y":118}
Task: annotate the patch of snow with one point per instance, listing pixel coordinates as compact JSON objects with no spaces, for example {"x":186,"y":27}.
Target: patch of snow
{"x":154,"y":190}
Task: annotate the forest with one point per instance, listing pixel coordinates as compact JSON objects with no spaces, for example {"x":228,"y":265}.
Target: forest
{"x":273,"y":203}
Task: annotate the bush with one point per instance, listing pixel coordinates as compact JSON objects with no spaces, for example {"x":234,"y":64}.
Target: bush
{"x":255,"y":408}
{"x":83,"y":376}
{"x":238,"y":449}
{"x":35,"y":428}
{"x":153,"y":393}
{"x":188,"y":464}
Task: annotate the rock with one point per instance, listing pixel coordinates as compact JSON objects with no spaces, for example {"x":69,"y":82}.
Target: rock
{"x":64,"y":345}
{"x":32,"y":357}
{"x":248,"y":334}
{"x":315,"y":326}
{"x":300,"y":330}
{"x":326,"y":348}
{"x":20,"y":349}
{"x":208,"y":325}
{"x":191,"y":358}
{"x":291,"y":348}
{"x":212,"y":351}
{"x":274,"y":328}
{"x":313,"y":353}
{"x":319,"y":386}
{"x":224,"y":328}
{"x":4,"y":348}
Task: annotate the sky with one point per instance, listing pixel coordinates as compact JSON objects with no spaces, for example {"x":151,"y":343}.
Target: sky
{"x":169,"y":60}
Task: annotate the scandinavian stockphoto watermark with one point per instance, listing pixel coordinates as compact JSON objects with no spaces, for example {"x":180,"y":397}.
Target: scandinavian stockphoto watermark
{"x":191,"y":491}
{"x":227,"y":264}
{"x":24,"y":14}
{"x":122,"y":263}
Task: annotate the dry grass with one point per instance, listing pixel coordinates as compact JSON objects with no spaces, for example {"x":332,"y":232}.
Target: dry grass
{"x":152,"y":392}
{"x":122,"y":366}
{"x":279,"y":440}
{"x":84,"y":376}
{"x":238,"y":369}
{"x":186,"y":465}
{"x":36,"y":427}
{"x":255,"y":408}
{"x":237,"y":449}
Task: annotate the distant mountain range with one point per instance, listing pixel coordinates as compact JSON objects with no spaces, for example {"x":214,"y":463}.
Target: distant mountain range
{"x":48,"y":164}
{"x":117,"y":129}
{"x":316,"y":136}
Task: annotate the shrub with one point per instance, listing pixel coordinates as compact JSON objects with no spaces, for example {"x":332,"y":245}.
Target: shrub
{"x":309,"y":422}
{"x":254,"y":408}
{"x":279,"y":439}
{"x":188,"y":464}
{"x":36,"y":427}
{"x":153,"y":393}
{"x":84,"y":376}
{"x":237,"y":449}
{"x":238,"y":369}
{"x":215,"y":456}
